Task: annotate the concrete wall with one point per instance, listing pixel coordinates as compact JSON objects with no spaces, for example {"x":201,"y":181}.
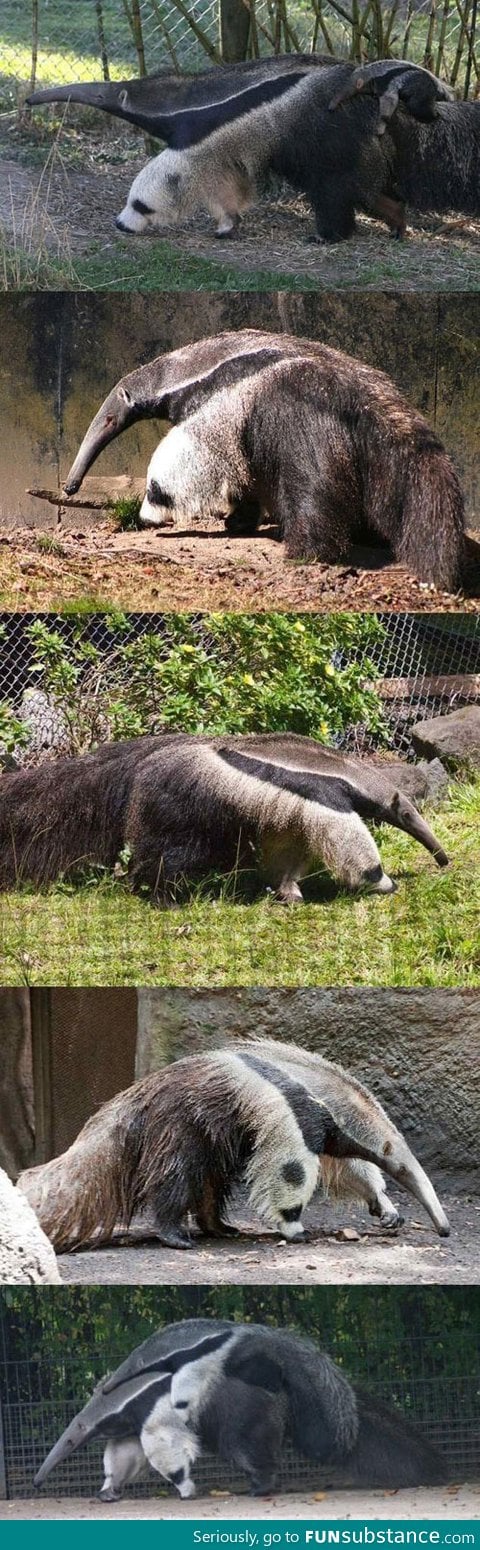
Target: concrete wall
{"x":417,"y":1050}
{"x":63,"y":352}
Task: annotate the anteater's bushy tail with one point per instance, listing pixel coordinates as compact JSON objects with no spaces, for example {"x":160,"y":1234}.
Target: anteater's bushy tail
{"x":432,"y":539}
{"x":390,"y":1451}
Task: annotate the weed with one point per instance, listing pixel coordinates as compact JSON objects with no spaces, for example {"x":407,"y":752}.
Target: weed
{"x":47,"y":544}
{"x":126,"y":512}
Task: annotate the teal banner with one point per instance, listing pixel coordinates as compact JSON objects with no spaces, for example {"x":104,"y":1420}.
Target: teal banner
{"x":171,"y":1534}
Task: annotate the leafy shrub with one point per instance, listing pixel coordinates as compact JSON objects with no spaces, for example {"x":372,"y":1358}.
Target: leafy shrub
{"x":220,"y":673}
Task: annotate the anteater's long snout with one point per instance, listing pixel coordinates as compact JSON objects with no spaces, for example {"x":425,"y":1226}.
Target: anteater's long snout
{"x":405,"y":816}
{"x":91,"y":94}
{"x":71,"y":1439}
{"x":411,"y":1176}
{"x":115,"y":414}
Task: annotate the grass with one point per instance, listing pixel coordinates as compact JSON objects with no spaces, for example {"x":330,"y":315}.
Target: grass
{"x":47,"y":544}
{"x":126,"y":512}
{"x":27,"y":264}
{"x":165,"y":267}
{"x":426,"y":934}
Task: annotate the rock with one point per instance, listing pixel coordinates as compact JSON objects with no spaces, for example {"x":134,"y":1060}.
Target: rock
{"x":410,"y":778}
{"x":454,"y":738}
{"x":437,"y":780}
{"x":26,"y":1255}
{"x":426,"y":781}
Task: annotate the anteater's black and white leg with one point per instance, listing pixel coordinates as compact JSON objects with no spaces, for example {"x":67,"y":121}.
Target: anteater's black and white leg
{"x":123,"y":1462}
{"x":284,"y":861}
{"x":345,"y":845}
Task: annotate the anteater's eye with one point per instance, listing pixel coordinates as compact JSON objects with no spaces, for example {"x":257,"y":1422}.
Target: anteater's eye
{"x":292,"y":1215}
{"x":141,"y":209}
{"x":181,"y":1404}
{"x":158,"y":497}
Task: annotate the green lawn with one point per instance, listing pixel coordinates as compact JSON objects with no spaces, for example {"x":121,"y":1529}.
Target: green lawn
{"x":426,"y":934}
{"x":158,"y":268}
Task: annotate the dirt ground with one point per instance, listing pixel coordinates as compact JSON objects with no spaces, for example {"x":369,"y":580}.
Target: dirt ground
{"x":207,"y":570}
{"x":345,"y":1246}
{"x":456,"y":1501}
{"x":76,"y":209}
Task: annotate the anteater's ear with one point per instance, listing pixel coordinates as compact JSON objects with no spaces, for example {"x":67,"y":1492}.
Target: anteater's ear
{"x":124,"y":393}
{"x":173,"y":179}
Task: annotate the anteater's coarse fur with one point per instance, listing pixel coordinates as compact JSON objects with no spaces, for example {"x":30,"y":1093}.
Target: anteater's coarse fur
{"x":176,"y":1143}
{"x":186,"y":806}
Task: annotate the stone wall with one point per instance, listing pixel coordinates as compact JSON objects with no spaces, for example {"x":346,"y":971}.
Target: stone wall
{"x":417,"y":1050}
{"x":63,"y":352}
{"x":17,"y":1122}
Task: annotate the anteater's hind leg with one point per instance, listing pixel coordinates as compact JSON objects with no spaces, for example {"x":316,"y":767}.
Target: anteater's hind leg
{"x":244,"y":519}
{"x":393,"y":212}
{"x":333,"y":200}
{"x":253,"y":1434}
{"x":160,"y":866}
{"x":319,"y":500}
{"x":208,"y":1213}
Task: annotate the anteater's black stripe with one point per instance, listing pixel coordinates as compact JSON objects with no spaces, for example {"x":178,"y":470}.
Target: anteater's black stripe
{"x":333,"y":791}
{"x":173,"y":1360}
{"x":330,"y":790}
{"x":314,"y":1121}
{"x":321,"y":1132}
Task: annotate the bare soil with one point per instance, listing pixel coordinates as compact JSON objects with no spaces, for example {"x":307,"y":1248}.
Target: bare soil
{"x":206,"y":570}
{"x":453,"y":1501}
{"x":76,"y":209}
{"x":343,"y":1246}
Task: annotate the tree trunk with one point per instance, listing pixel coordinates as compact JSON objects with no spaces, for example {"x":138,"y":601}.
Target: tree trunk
{"x":234,"y":30}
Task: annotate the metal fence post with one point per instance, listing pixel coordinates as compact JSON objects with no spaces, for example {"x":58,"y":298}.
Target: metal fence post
{"x":3,"y":1465}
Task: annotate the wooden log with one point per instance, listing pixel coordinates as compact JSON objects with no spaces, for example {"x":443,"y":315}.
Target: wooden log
{"x":96,"y":494}
{"x":465,"y":684}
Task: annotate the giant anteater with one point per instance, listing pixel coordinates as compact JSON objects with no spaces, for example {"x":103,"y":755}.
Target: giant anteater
{"x":242,"y":1392}
{"x":177,"y":1142}
{"x":271,"y":423}
{"x":184,"y":806}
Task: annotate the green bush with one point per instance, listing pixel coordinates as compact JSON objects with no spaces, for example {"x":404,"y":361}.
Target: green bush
{"x":221,"y":673}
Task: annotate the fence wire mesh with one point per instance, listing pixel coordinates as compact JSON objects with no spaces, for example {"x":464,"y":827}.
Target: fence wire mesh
{"x":48,"y":42}
{"x":427,"y":665}
{"x":39,"y":1397}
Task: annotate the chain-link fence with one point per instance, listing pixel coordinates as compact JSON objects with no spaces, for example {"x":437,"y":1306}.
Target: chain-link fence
{"x":45,"y":42}
{"x":432,"y":1379}
{"x":427,"y":665}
